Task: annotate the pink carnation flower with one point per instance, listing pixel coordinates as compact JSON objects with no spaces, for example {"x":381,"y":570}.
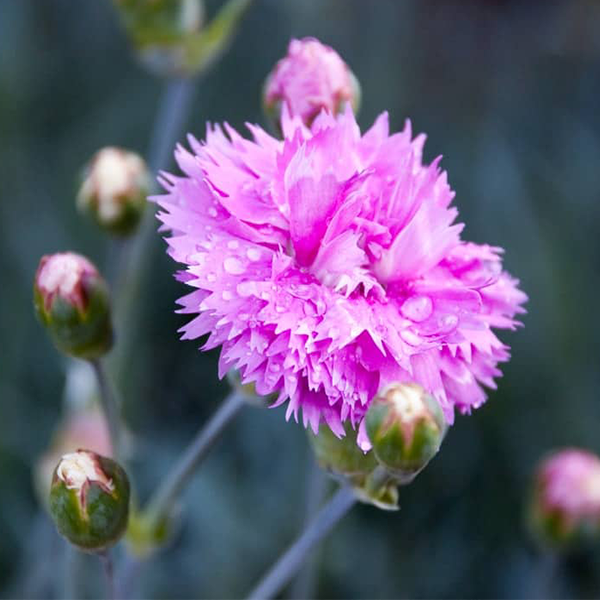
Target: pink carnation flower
{"x":569,"y":484}
{"x":329,"y":265}
{"x":310,"y":78}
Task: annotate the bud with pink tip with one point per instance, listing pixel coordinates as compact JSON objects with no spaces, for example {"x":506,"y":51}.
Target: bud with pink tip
{"x":310,"y":78}
{"x":115,"y":185}
{"x":72,"y":301}
{"x":565,"y":507}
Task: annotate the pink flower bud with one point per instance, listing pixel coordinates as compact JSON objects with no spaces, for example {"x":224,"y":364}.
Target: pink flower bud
{"x":72,"y":302}
{"x":566,"y":498}
{"x":114,"y":189}
{"x":312,"y":77}
{"x":64,"y":275}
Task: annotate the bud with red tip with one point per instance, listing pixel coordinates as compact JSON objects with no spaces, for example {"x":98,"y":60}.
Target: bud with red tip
{"x":406,"y":427}
{"x":89,"y":500}
{"x":565,"y":505}
{"x":310,"y":78}
{"x":115,"y":185}
{"x":72,"y":301}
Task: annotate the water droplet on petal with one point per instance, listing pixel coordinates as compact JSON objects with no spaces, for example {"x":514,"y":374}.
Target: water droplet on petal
{"x":253,"y":254}
{"x":410,"y":337}
{"x":233,"y":244}
{"x":212,"y":212}
{"x":449,"y":322}
{"x":417,"y":308}
{"x":227,"y":295}
{"x":211,"y":277}
{"x":246,"y":288}
{"x":233,"y":265}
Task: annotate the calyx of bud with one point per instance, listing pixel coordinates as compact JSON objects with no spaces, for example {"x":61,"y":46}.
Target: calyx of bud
{"x":406,"y":427}
{"x":71,"y":300}
{"x":89,"y":500}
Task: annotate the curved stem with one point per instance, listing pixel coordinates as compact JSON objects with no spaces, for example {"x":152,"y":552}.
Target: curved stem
{"x":289,"y":563}
{"x":109,"y":405}
{"x":172,"y":486}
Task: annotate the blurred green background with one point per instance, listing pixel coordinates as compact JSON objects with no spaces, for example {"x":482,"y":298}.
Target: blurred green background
{"x":509,"y":93}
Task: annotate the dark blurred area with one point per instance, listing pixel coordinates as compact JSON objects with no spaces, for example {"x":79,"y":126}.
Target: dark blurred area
{"x":509,"y":93}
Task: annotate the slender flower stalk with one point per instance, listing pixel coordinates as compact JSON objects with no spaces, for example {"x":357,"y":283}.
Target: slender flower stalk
{"x":107,"y":567}
{"x":110,"y":407}
{"x":164,"y":497}
{"x":172,"y":114}
{"x":291,"y":560}
{"x":304,"y":584}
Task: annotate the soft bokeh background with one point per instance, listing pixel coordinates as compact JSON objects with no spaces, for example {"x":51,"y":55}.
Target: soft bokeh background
{"x":509,"y":93}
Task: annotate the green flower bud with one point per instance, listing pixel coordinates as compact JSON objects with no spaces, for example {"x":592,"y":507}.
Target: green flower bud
{"x":89,"y":500}
{"x":170,"y":37}
{"x":406,"y":427}
{"x":345,"y":461}
{"x":115,"y":185}
{"x":71,"y":300}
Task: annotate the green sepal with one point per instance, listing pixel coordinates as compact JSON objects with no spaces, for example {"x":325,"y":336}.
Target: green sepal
{"x":344,"y":460}
{"x":170,"y":49}
{"x":84,"y":333}
{"x":97,"y":521}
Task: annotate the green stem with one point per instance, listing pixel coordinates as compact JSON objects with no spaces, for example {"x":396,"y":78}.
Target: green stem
{"x":110,"y":408}
{"x":136,"y":256}
{"x":291,"y":560}
{"x":316,"y":489}
{"x":162,"y":501}
{"x":107,"y":566}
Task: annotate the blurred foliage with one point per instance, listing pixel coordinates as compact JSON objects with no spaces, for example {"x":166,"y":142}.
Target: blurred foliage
{"x":508,"y":92}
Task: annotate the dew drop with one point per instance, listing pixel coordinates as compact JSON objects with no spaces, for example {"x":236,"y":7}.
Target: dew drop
{"x":265,"y":296}
{"x":233,"y":244}
{"x":233,"y":266}
{"x":417,"y":308}
{"x":212,"y":212}
{"x":279,"y":308}
{"x":245,"y":289}
{"x":410,"y":337}
{"x":449,"y":322}
{"x":212,"y":277}
{"x":253,"y":254}
{"x":381,"y":329}
{"x":227,"y":295}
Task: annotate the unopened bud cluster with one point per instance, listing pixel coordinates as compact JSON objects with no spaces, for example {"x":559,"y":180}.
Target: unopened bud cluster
{"x":565,"y":505}
{"x":405,"y":428}
{"x":72,"y":301}
{"x":89,"y":500}
{"x":115,"y":185}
